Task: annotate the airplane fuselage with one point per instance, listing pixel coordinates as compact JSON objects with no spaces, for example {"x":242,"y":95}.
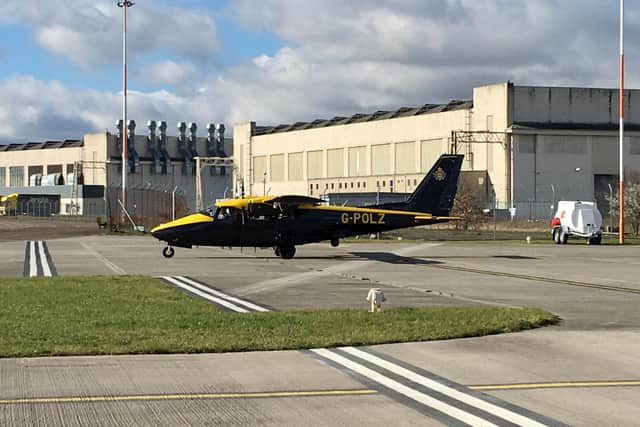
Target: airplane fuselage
{"x":304,"y":226}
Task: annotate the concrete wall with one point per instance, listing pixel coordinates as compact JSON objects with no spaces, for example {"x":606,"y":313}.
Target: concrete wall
{"x":436,"y":127}
{"x":571,"y":105}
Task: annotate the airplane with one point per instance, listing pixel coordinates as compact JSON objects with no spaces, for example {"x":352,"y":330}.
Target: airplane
{"x":282,"y":222}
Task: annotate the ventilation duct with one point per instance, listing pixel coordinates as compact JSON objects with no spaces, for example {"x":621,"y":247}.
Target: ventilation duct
{"x":162,"y":146}
{"x":183,"y":148}
{"x":193,"y":128}
{"x":152,"y":147}
{"x":134,"y":160}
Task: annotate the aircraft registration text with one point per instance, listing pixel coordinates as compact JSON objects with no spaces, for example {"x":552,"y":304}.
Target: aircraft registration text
{"x":362,"y":218}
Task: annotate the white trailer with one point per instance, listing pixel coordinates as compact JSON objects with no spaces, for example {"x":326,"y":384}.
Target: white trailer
{"x":576,"y":218}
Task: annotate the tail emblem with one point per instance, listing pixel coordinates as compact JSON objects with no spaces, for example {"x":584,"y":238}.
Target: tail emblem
{"x":439,"y":174}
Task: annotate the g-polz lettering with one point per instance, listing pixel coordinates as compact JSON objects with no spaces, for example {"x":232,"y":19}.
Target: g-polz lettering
{"x":362,"y":218}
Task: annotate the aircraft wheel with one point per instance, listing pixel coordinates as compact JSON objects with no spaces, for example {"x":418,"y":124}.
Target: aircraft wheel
{"x":335,"y":242}
{"x":168,"y":252}
{"x":556,"y":235}
{"x":276,"y":250}
{"x":287,"y":252}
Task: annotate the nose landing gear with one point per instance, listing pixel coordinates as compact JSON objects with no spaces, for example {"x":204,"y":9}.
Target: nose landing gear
{"x":168,"y":252}
{"x":335,"y":242}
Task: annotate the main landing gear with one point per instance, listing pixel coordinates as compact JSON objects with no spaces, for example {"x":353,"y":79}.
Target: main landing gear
{"x":284,"y":247}
{"x":168,"y":252}
{"x":285,"y":251}
{"x":335,"y":242}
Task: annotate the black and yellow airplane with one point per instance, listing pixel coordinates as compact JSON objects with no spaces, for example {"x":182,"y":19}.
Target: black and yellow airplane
{"x":282,"y":222}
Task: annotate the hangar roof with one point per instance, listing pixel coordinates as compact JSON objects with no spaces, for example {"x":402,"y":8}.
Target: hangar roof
{"x":41,"y":145}
{"x":361,"y":118}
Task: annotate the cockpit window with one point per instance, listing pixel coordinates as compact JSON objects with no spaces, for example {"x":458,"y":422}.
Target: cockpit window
{"x":210,"y":211}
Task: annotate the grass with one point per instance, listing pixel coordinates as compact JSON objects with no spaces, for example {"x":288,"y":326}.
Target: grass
{"x":134,"y":315}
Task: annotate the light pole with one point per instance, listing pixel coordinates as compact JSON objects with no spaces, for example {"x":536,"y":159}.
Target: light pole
{"x":124,"y":5}
{"x":264,"y":183}
{"x":621,"y":111}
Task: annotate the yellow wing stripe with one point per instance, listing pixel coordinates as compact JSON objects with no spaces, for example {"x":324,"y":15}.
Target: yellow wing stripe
{"x":366,"y":210}
{"x":187,"y":220}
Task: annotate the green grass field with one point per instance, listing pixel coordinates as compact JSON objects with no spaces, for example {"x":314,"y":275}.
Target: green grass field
{"x":133,"y":315}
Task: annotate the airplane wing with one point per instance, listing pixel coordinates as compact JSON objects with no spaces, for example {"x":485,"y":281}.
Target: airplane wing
{"x":295,"y":200}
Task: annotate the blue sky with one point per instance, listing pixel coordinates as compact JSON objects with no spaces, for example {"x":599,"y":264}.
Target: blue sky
{"x":278,"y":61}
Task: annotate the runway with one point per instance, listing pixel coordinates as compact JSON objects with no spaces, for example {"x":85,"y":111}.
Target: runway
{"x":582,"y":372}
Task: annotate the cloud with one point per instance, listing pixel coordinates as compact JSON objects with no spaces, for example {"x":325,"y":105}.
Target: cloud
{"x":89,"y":33}
{"x":166,"y":72}
{"x":338,"y":58}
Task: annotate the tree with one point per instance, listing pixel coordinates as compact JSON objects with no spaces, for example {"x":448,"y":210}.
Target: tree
{"x":468,"y":206}
{"x":631,"y":205}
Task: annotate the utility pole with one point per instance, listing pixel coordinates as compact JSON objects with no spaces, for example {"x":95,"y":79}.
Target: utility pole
{"x":124,"y":5}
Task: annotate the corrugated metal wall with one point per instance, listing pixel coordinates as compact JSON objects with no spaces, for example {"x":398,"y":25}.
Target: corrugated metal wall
{"x":405,"y":157}
{"x":380,"y":159}
{"x":295,"y":167}
{"x":277,"y":167}
{"x":357,"y":161}
{"x":314,"y":164}
{"x":259,"y":168}
{"x":335,"y":163}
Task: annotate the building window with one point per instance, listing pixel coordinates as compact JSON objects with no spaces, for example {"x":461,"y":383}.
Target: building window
{"x":340,"y":185}
{"x":3,"y":177}
{"x":352,"y":185}
{"x":390,"y":183}
{"x":364,"y":185}
{"x":326,"y":186}
{"x":311,"y":187}
{"x":415,"y":182}
{"x":332,"y":185}
{"x":16,"y":176}
{"x":317,"y":186}
{"x":635,"y":146}
{"x":358,"y":185}
{"x":384,"y":183}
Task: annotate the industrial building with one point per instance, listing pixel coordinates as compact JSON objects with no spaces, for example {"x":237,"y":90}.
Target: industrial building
{"x":525,"y":148}
{"x":84,"y":176}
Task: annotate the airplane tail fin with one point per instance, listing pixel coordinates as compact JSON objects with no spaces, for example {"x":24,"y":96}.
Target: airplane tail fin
{"x":437,"y":190}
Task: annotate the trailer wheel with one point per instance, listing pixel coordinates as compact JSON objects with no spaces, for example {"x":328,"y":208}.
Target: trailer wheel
{"x":595,"y":240}
{"x":563,"y":237}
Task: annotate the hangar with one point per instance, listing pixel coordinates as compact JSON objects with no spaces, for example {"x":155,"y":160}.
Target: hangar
{"x":525,"y":148}
{"x":84,"y":176}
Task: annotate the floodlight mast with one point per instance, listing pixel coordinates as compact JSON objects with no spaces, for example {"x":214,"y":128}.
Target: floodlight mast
{"x":124,"y":5}
{"x":621,"y":142}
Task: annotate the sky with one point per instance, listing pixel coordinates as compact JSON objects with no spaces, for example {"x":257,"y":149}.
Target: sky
{"x":281,"y":61}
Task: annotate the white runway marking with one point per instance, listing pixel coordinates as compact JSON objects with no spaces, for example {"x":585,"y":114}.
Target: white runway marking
{"x":404,"y":390}
{"x":441,"y":388}
{"x":37,"y":260}
{"x":33,"y":266}
{"x":110,"y":265}
{"x":46,"y":271}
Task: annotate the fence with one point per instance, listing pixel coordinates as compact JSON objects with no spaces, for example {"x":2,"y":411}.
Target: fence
{"x":147,"y":207}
